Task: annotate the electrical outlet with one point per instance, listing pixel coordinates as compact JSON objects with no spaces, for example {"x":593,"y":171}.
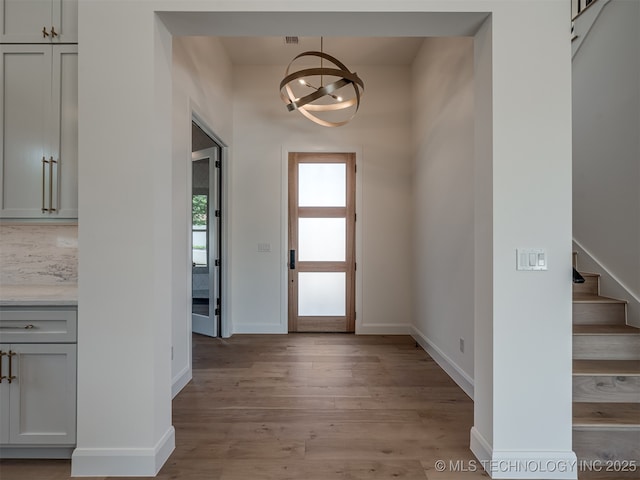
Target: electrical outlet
{"x":462,"y":345}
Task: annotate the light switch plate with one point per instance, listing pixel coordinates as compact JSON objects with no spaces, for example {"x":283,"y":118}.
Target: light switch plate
{"x":532,"y":259}
{"x":264,"y":247}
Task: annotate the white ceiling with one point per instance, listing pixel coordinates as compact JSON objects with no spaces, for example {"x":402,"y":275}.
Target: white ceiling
{"x":329,"y":24}
{"x":349,"y":50}
{"x":355,"y":38}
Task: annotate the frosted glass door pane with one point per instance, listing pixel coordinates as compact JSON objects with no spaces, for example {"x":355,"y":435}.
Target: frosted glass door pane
{"x":322,"y":294}
{"x":322,"y":185}
{"x":322,"y":239}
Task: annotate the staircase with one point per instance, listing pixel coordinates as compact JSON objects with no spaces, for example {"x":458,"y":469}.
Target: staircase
{"x":606,"y":376}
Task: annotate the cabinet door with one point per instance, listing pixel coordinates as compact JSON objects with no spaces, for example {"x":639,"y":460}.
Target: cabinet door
{"x":43,"y":395}
{"x":65,"y":20}
{"x":4,"y":395}
{"x":23,"y":21}
{"x":25,"y":76}
{"x":65,"y":131}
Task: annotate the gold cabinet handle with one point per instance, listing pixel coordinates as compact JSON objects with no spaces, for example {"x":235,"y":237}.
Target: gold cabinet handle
{"x":2,"y":354}
{"x":53,"y":33}
{"x":44,"y":32}
{"x":44,"y":174}
{"x":51,"y":162}
{"x":11,"y":377}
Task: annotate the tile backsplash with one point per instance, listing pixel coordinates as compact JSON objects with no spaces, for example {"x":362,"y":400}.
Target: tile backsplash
{"x":38,"y":254}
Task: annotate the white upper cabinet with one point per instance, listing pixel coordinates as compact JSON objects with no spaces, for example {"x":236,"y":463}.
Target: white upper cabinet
{"x":39,"y":131}
{"x":39,"y":21}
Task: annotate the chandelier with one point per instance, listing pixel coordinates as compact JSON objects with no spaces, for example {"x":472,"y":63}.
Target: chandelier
{"x":317,"y":93}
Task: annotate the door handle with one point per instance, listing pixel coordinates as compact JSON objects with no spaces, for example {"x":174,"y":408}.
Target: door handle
{"x":44,"y":177}
{"x":292,"y":259}
{"x":2,"y":377}
{"x":51,"y":162}
{"x":11,"y":376}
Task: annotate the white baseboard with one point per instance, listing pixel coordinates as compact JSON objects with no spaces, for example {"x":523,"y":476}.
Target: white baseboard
{"x":258,"y":329}
{"x":383,"y":329}
{"x":533,"y":465}
{"x":464,"y":381}
{"x":480,"y":447}
{"x":520,"y":464}
{"x":123,"y":462}
{"x":181,"y":380}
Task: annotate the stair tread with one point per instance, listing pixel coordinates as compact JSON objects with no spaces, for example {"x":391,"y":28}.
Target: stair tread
{"x":591,"y":298}
{"x":605,"y":330}
{"x":622,"y":368}
{"x":606,"y":414}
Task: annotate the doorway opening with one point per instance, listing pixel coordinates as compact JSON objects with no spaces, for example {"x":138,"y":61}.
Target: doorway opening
{"x":322,"y":217}
{"x":206,"y":233}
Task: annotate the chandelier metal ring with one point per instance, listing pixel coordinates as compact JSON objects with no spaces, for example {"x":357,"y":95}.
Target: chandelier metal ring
{"x":305,"y":104}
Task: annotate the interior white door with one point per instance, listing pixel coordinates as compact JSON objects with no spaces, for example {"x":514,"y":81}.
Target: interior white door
{"x":205,"y":245}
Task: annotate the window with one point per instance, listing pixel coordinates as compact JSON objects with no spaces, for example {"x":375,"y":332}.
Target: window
{"x":199,"y":231}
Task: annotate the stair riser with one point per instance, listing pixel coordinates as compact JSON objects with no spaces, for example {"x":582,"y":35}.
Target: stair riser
{"x":599,"y":314}
{"x":609,"y":389}
{"x":590,"y":286}
{"x":606,"y":444}
{"x":606,"y":347}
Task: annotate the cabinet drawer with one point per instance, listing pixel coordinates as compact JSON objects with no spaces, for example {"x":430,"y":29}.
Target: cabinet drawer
{"x":38,"y":325}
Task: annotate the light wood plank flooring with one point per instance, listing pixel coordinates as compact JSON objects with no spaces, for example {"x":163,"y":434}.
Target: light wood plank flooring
{"x":310,"y":407}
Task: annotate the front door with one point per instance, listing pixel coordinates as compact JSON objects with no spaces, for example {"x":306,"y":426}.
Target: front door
{"x":322,"y":242}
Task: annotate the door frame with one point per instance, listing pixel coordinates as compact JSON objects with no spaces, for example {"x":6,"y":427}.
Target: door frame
{"x":284,"y":216}
{"x":225,"y":297}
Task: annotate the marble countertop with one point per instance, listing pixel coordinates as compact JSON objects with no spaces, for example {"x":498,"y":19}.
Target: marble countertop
{"x":38,"y":295}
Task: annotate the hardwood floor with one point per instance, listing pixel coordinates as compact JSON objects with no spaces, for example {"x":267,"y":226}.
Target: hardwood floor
{"x":311,"y":407}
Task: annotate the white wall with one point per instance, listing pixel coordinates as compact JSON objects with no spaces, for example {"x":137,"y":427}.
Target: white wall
{"x":531,"y":197}
{"x":202,"y":83}
{"x":124,"y":381}
{"x":483,"y":364}
{"x":606,"y":148}
{"x":124,"y":287}
{"x":443,"y":203}
{"x":263,"y":131}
